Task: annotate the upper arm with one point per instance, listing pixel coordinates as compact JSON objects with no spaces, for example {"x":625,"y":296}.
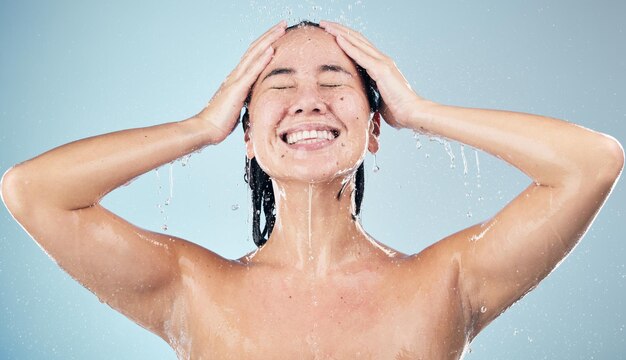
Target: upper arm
{"x":135,"y":271}
{"x":506,"y":256}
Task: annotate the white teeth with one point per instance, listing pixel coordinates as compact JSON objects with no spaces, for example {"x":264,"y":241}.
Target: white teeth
{"x":307,"y":137}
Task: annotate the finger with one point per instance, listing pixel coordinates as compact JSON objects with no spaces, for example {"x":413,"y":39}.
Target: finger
{"x":257,"y":67}
{"x":362,"y":58}
{"x":281,"y":24}
{"x":358,"y":42}
{"x":347,"y":32}
{"x":261,"y":44}
{"x":258,"y":53}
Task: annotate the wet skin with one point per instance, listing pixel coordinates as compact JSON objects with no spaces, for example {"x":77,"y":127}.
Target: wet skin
{"x":396,"y":307}
{"x":369,"y":301}
{"x":321,"y":288}
{"x":315,"y":291}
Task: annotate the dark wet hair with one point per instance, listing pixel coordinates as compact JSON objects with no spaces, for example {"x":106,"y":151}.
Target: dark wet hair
{"x":261,"y":184}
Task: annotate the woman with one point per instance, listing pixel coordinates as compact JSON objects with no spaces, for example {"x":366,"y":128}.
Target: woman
{"x":318,"y":280}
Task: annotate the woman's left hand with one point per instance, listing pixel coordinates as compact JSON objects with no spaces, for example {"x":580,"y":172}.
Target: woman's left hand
{"x":399,"y":101}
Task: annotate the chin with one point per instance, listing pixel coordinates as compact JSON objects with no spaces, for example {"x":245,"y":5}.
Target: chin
{"x":328,"y":172}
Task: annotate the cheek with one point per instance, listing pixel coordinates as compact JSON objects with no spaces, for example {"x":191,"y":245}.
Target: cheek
{"x":352,"y":108}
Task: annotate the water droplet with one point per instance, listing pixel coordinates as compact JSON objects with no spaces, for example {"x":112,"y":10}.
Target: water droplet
{"x":234,"y":207}
{"x":185,"y":160}
{"x":483,"y":309}
{"x":436,"y":138}
{"x":469,"y":214}
{"x":167,"y":202}
{"x":375,"y":168}
{"x":418,"y":143}
{"x":164,"y":227}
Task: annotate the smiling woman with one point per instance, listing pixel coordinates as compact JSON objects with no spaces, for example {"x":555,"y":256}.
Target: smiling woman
{"x":320,"y":279}
{"x":319,"y":135}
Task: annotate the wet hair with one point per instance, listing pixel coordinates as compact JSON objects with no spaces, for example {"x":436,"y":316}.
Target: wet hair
{"x":261,"y":184}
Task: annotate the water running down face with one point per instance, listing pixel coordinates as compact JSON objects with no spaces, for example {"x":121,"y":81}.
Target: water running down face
{"x":309,"y":113}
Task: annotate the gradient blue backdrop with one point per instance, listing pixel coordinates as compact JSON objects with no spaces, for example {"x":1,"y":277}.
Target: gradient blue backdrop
{"x":69,"y":70}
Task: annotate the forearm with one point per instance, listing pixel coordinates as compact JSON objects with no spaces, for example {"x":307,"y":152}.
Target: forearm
{"x":79,"y":174}
{"x":548,"y":150}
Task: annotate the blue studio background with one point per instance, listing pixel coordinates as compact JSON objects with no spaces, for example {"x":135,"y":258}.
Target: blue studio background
{"x":73,"y":69}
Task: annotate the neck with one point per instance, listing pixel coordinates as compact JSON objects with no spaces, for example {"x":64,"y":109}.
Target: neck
{"x":315,"y":232}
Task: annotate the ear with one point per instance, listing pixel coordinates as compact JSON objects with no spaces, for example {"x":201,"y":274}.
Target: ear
{"x":374,"y":131}
{"x":249,"y":148}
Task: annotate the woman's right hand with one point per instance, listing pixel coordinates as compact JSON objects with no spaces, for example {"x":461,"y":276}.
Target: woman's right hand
{"x":222,"y":112}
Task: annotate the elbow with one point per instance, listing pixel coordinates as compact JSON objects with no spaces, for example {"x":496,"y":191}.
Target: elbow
{"x":13,"y":190}
{"x":614,"y":163}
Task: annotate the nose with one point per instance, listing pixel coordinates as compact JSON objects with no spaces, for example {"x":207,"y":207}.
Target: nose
{"x":308,"y":101}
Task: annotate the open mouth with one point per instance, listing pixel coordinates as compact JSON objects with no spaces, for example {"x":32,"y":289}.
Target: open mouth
{"x":309,"y":136}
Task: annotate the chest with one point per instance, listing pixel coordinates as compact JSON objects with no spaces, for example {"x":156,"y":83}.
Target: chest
{"x":364,"y":315}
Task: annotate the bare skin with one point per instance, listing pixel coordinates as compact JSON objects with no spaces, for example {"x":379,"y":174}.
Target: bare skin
{"x":321,"y":287}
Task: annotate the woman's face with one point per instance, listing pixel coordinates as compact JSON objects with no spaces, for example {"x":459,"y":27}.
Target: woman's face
{"x":310,"y":90}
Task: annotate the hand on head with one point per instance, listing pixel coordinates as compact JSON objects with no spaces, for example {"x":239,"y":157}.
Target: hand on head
{"x":398,"y":99}
{"x":222,"y":112}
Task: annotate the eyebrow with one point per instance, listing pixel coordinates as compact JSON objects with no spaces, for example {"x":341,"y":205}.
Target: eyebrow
{"x":279,"y":71}
{"x":322,"y":68}
{"x":334,"y":68}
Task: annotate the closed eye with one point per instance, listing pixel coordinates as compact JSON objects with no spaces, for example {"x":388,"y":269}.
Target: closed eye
{"x":281,"y":87}
{"x":330,"y":85}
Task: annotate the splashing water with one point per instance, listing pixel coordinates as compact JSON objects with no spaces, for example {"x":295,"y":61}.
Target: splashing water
{"x":448,"y":148}
{"x":185,"y":160}
{"x":477,"y":169}
{"x":464,"y":159}
{"x":158,"y":181}
{"x":167,"y":201}
{"x":477,"y":237}
{"x":171,"y":178}
{"x":418,"y":143}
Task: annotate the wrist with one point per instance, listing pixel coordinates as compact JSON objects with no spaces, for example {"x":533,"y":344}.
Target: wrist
{"x":420,"y":116}
{"x":209,"y":133}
